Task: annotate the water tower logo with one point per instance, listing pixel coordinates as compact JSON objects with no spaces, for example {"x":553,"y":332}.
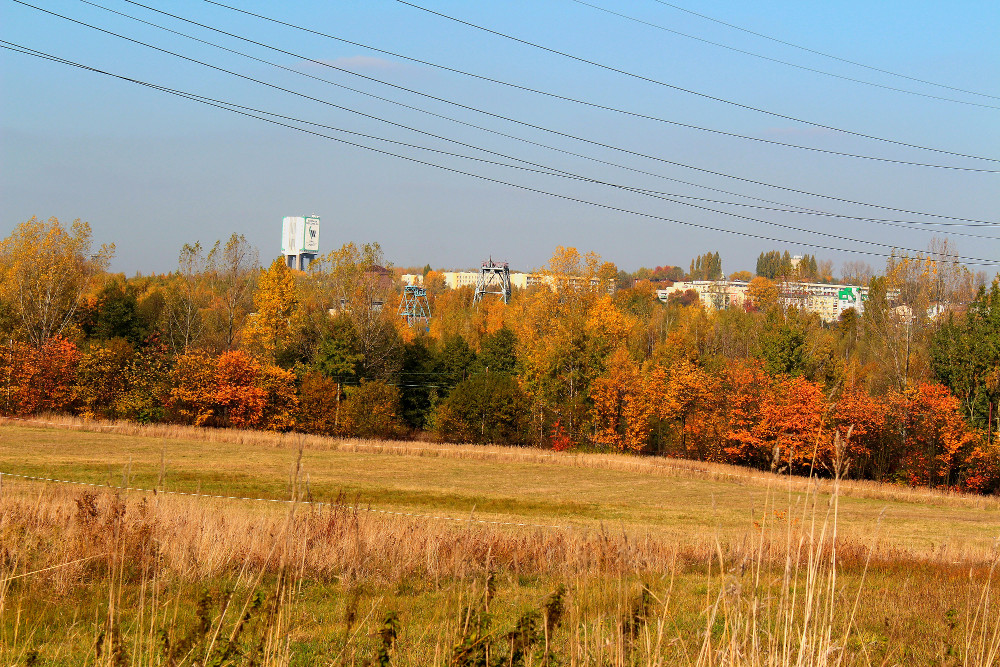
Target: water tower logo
{"x":311,"y":243}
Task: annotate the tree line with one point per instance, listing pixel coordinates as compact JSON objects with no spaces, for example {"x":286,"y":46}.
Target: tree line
{"x":911,"y":384}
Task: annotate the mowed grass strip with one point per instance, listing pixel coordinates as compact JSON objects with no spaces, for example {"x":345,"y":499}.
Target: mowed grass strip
{"x":534,"y":491}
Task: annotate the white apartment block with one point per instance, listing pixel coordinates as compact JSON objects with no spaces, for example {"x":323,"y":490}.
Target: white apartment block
{"x":412,"y":279}
{"x":457,"y":279}
{"x":826,"y":300}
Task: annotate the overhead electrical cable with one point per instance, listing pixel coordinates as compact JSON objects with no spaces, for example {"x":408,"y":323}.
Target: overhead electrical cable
{"x":778,"y":60}
{"x":517,"y":86}
{"x":798,"y":209}
{"x":671,"y":86}
{"x":268,"y":84}
{"x":541,"y":170}
{"x":512,"y":120}
{"x":408,"y":127}
{"x":242,"y":111}
{"x":572,"y":99}
{"x":824,"y":54}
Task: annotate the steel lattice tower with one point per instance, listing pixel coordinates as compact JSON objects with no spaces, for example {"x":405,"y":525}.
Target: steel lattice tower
{"x":414,"y":306}
{"x":493,"y":279}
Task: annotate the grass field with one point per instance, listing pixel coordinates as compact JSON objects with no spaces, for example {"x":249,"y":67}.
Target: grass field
{"x":624,"y":560}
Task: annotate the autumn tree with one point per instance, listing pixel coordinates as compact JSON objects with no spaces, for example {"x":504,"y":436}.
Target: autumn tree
{"x":356,"y":281}
{"x":622,"y":406}
{"x":488,"y":408}
{"x":38,"y":379}
{"x":233,"y":270}
{"x":762,"y":294}
{"x":888,"y":332}
{"x":664,"y":274}
{"x":873,"y":423}
{"x":566,"y":333}
{"x":45,"y":269}
{"x":254,"y":394}
{"x":685,"y":395}
{"x":938,"y":442}
{"x":187,"y":299}
{"x":192,"y":396}
{"x":318,"y":404}
{"x":706,"y":267}
{"x":103,"y":379}
{"x":268,"y":331}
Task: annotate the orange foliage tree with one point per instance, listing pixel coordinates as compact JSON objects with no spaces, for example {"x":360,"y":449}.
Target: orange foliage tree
{"x":318,"y":404}
{"x":938,"y":441}
{"x":193,"y":389}
{"x":688,"y":397}
{"x":251,"y":394}
{"x":39,"y":379}
{"x":746,"y":389}
{"x":872,"y":449}
{"x":774,"y":422}
{"x":622,"y":406}
{"x":792,"y":424}
{"x":238,"y":394}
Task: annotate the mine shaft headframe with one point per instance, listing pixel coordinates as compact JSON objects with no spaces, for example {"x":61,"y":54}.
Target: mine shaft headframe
{"x":494,"y":278}
{"x":414,"y":306}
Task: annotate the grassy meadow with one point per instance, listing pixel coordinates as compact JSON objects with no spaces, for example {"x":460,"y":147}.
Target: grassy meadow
{"x":413,"y":553}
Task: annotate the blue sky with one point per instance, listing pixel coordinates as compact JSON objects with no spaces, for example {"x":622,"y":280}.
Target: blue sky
{"x":151,"y":171}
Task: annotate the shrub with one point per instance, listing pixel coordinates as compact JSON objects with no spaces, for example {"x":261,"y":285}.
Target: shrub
{"x":371,"y":410}
{"x":39,"y":379}
{"x":486,"y":408}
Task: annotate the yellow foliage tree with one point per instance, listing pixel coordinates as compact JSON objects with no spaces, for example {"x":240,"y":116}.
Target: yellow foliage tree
{"x":45,"y":270}
{"x":268,"y":329}
{"x":624,"y":405}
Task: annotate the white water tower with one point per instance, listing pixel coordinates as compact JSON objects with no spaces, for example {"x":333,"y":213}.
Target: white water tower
{"x":299,"y":240}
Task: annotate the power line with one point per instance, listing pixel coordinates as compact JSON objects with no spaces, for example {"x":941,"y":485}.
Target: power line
{"x":484,"y":129}
{"x":722,"y":100}
{"x":544,"y":129}
{"x":821,"y":53}
{"x":368,"y":115}
{"x":542,"y":169}
{"x":546,"y":93}
{"x":446,"y":101}
{"x":777,"y":60}
{"x":197,"y":98}
{"x":391,"y":122}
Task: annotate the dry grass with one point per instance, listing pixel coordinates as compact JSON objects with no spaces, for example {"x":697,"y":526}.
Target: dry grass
{"x":591,"y":493}
{"x":781,"y":594}
{"x":666,"y":467}
{"x":699,"y":568}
